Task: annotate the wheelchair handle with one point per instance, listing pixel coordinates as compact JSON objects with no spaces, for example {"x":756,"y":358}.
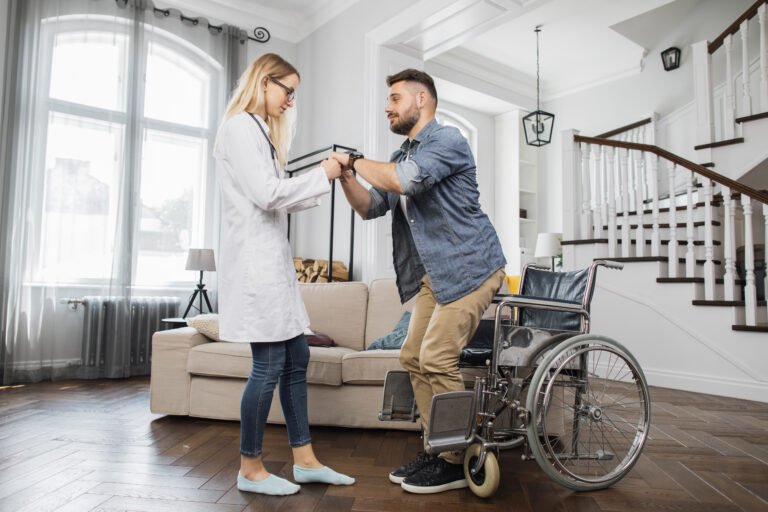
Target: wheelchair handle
{"x":609,"y":264}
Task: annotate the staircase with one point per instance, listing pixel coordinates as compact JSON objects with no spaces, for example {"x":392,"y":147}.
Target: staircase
{"x":690,"y":302}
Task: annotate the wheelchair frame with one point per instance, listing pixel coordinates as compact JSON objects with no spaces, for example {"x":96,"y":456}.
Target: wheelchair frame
{"x":593,"y":449}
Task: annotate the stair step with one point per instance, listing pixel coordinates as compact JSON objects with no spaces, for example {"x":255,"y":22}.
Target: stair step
{"x":708,"y":164}
{"x":753,"y":117}
{"x":729,"y":303}
{"x":697,"y":224}
{"x":636,"y":259}
{"x":715,"y":202}
{"x":693,"y":280}
{"x":666,"y":242}
{"x":720,"y":143}
{"x":751,"y":328}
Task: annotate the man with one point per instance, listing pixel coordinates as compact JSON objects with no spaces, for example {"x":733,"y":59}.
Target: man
{"x":445,"y":251}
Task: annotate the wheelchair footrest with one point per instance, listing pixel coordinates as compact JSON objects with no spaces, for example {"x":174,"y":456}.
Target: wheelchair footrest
{"x":451,"y":421}
{"x":398,"y":402}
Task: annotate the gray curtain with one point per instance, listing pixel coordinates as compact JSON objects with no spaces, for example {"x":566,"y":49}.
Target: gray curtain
{"x":74,"y":226}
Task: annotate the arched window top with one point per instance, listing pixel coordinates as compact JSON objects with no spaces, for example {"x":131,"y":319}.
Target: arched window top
{"x":467,"y":129}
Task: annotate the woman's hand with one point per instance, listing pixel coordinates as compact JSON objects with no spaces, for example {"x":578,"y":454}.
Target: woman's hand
{"x":332,"y":168}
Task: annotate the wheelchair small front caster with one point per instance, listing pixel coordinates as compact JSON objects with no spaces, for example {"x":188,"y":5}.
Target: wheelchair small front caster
{"x":485,"y":482}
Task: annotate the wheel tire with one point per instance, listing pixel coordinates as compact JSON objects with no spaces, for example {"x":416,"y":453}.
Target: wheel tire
{"x":485,"y":483}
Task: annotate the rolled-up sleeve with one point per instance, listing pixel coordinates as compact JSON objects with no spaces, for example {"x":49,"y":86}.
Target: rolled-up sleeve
{"x":379,"y":204}
{"x":444,"y":153}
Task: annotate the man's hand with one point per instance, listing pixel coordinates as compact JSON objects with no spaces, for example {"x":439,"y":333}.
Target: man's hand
{"x":332,"y":168}
{"x":342,"y":158}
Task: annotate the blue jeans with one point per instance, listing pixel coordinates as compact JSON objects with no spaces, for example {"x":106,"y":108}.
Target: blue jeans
{"x":284,"y":362}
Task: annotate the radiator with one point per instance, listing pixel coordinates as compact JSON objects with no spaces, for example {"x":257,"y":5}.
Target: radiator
{"x":117,"y":332}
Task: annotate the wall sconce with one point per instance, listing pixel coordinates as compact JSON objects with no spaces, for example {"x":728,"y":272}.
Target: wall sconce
{"x":671,"y":58}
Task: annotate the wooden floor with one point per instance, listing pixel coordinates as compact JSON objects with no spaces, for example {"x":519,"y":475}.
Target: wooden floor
{"x":94,"y":445}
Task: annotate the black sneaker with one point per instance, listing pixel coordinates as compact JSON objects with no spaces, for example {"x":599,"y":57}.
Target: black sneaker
{"x":397,"y":476}
{"x":437,"y":476}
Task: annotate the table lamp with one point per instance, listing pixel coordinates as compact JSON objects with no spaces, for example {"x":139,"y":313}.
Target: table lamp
{"x":200,"y":260}
{"x":548,"y":246}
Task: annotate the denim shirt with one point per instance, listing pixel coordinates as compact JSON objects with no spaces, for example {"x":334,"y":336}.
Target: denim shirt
{"x":447,"y":235}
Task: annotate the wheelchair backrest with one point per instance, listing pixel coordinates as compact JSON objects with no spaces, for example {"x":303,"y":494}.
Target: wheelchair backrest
{"x":574,"y":287}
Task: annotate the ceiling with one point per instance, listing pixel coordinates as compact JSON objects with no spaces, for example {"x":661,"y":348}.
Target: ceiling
{"x":583,"y":43}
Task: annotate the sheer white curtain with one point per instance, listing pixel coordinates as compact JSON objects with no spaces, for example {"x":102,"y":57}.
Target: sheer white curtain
{"x":112,"y":109}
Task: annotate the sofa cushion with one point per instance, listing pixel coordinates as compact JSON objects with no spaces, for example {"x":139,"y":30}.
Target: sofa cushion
{"x":207,"y":325}
{"x":369,"y":366}
{"x":338,"y":310}
{"x":234,"y":360}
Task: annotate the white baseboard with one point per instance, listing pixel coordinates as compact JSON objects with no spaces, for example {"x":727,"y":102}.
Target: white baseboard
{"x":743,"y":389}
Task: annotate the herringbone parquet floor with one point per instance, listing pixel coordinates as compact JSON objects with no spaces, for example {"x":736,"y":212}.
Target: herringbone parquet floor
{"x":80,"y":446}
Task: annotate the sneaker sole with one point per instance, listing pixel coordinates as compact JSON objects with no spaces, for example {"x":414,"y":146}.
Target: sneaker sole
{"x":416,"y":489}
{"x":396,"y":479}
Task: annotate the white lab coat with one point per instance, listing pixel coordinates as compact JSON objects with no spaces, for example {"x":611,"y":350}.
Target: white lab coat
{"x":259,"y":299}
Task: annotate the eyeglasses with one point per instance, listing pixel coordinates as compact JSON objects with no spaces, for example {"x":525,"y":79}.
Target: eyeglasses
{"x":291,"y":93}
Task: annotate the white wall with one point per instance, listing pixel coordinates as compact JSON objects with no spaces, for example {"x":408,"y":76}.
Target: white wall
{"x":631,"y":98}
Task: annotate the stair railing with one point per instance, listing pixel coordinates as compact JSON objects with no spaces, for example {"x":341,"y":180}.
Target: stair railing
{"x":593,"y":160}
{"x":730,"y":112}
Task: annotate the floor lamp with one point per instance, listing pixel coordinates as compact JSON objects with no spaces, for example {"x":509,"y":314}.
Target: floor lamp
{"x":548,"y":246}
{"x":200,"y":260}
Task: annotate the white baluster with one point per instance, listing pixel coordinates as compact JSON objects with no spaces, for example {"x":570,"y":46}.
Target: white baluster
{"x":709,"y":246}
{"x":702,"y":84}
{"x":624,"y":174}
{"x":730,"y":98}
{"x":747,"y":99}
{"x":750,"y":291}
{"x":610,"y":172}
{"x":690,"y":257}
{"x":672,"y":247}
{"x":586,"y":222}
{"x":729,"y":244}
{"x":655,"y":236}
{"x":640,"y":195}
{"x":597,"y":223}
{"x":763,"y":60}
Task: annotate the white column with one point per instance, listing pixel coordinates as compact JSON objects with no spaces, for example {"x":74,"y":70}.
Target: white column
{"x":730,"y":98}
{"x":597,"y":198}
{"x":747,"y":99}
{"x":763,"y":60}
{"x":729,"y":244}
{"x":610,"y":172}
{"x":709,"y":246}
{"x":702,"y":84}
{"x":624,"y":176}
{"x":690,"y":256}
{"x":750,"y":291}
{"x":586,"y":217}
{"x":571,"y":206}
{"x":655,"y":236}
{"x":640,"y":195}
{"x":672,"y":247}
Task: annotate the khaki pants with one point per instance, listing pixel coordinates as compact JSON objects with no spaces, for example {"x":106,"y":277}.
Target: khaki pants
{"x":436,"y":335}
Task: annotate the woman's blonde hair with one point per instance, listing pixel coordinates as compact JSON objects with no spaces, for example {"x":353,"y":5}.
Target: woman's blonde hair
{"x":249,"y":96}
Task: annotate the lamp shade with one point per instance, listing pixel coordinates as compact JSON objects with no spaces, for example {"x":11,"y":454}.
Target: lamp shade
{"x":201,"y":259}
{"x":547,"y":245}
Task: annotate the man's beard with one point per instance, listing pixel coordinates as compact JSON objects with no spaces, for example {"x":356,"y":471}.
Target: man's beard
{"x":403,"y":125}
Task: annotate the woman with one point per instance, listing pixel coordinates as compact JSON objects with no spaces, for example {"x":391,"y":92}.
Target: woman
{"x":259,"y":300}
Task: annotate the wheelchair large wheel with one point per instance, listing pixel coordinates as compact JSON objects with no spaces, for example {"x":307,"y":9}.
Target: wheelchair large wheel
{"x":485,"y":482}
{"x":590,"y":412}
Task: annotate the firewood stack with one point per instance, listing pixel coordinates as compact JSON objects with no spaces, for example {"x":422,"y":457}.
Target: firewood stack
{"x":316,"y":271}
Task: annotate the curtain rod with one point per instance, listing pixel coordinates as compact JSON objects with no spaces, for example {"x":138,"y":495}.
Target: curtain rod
{"x":260,"y":34}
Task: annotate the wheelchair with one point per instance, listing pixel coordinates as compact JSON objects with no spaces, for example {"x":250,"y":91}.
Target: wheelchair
{"x":577,"y":403}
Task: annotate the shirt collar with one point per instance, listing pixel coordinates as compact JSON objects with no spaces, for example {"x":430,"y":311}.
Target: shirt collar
{"x":423,"y":134}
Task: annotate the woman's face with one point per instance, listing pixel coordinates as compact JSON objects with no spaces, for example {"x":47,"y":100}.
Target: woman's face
{"x":279,"y":94}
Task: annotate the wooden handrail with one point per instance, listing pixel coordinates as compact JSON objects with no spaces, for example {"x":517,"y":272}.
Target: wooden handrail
{"x":734,"y":27}
{"x":626,"y":128}
{"x":696,"y":168}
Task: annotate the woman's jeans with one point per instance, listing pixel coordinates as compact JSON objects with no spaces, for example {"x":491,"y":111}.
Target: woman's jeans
{"x":284,"y":362}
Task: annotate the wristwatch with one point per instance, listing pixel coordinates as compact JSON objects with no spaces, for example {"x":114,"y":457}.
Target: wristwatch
{"x":355,"y":155}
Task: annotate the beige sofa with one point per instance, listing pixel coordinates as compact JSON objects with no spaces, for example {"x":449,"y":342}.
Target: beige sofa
{"x":193,"y":375}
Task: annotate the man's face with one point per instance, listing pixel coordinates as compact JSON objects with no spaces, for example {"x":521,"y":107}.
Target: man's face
{"x":402,"y":107}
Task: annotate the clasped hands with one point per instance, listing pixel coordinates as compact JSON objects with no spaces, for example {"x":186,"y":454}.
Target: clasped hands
{"x":336,"y":166}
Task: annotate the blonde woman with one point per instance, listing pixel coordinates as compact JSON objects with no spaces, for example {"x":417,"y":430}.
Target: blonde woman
{"x":259,"y":300}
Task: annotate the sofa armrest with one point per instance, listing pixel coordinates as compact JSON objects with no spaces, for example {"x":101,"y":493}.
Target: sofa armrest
{"x":170,"y":380}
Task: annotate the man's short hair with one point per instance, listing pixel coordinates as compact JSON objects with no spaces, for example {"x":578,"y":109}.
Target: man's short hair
{"x":414,"y":75}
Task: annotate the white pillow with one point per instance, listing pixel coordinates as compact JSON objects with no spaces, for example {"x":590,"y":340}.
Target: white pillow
{"x":207,"y":325}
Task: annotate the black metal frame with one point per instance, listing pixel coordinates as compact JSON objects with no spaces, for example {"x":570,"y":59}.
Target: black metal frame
{"x":312,"y":165}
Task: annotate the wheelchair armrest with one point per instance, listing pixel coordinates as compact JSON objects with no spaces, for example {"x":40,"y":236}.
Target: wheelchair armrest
{"x":526,"y":301}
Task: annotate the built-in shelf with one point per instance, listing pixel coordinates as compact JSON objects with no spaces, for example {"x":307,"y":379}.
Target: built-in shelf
{"x":525,"y":191}
{"x":527,"y":220}
{"x":527,"y":162}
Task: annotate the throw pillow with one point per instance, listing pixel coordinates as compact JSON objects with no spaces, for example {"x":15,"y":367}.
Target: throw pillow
{"x":318,"y":339}
{"x":207,"y":325}
{"x":394,"y":340}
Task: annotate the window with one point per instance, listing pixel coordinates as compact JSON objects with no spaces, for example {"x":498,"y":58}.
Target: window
{"x":109,"y":134}
{"x":466,"y":128}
